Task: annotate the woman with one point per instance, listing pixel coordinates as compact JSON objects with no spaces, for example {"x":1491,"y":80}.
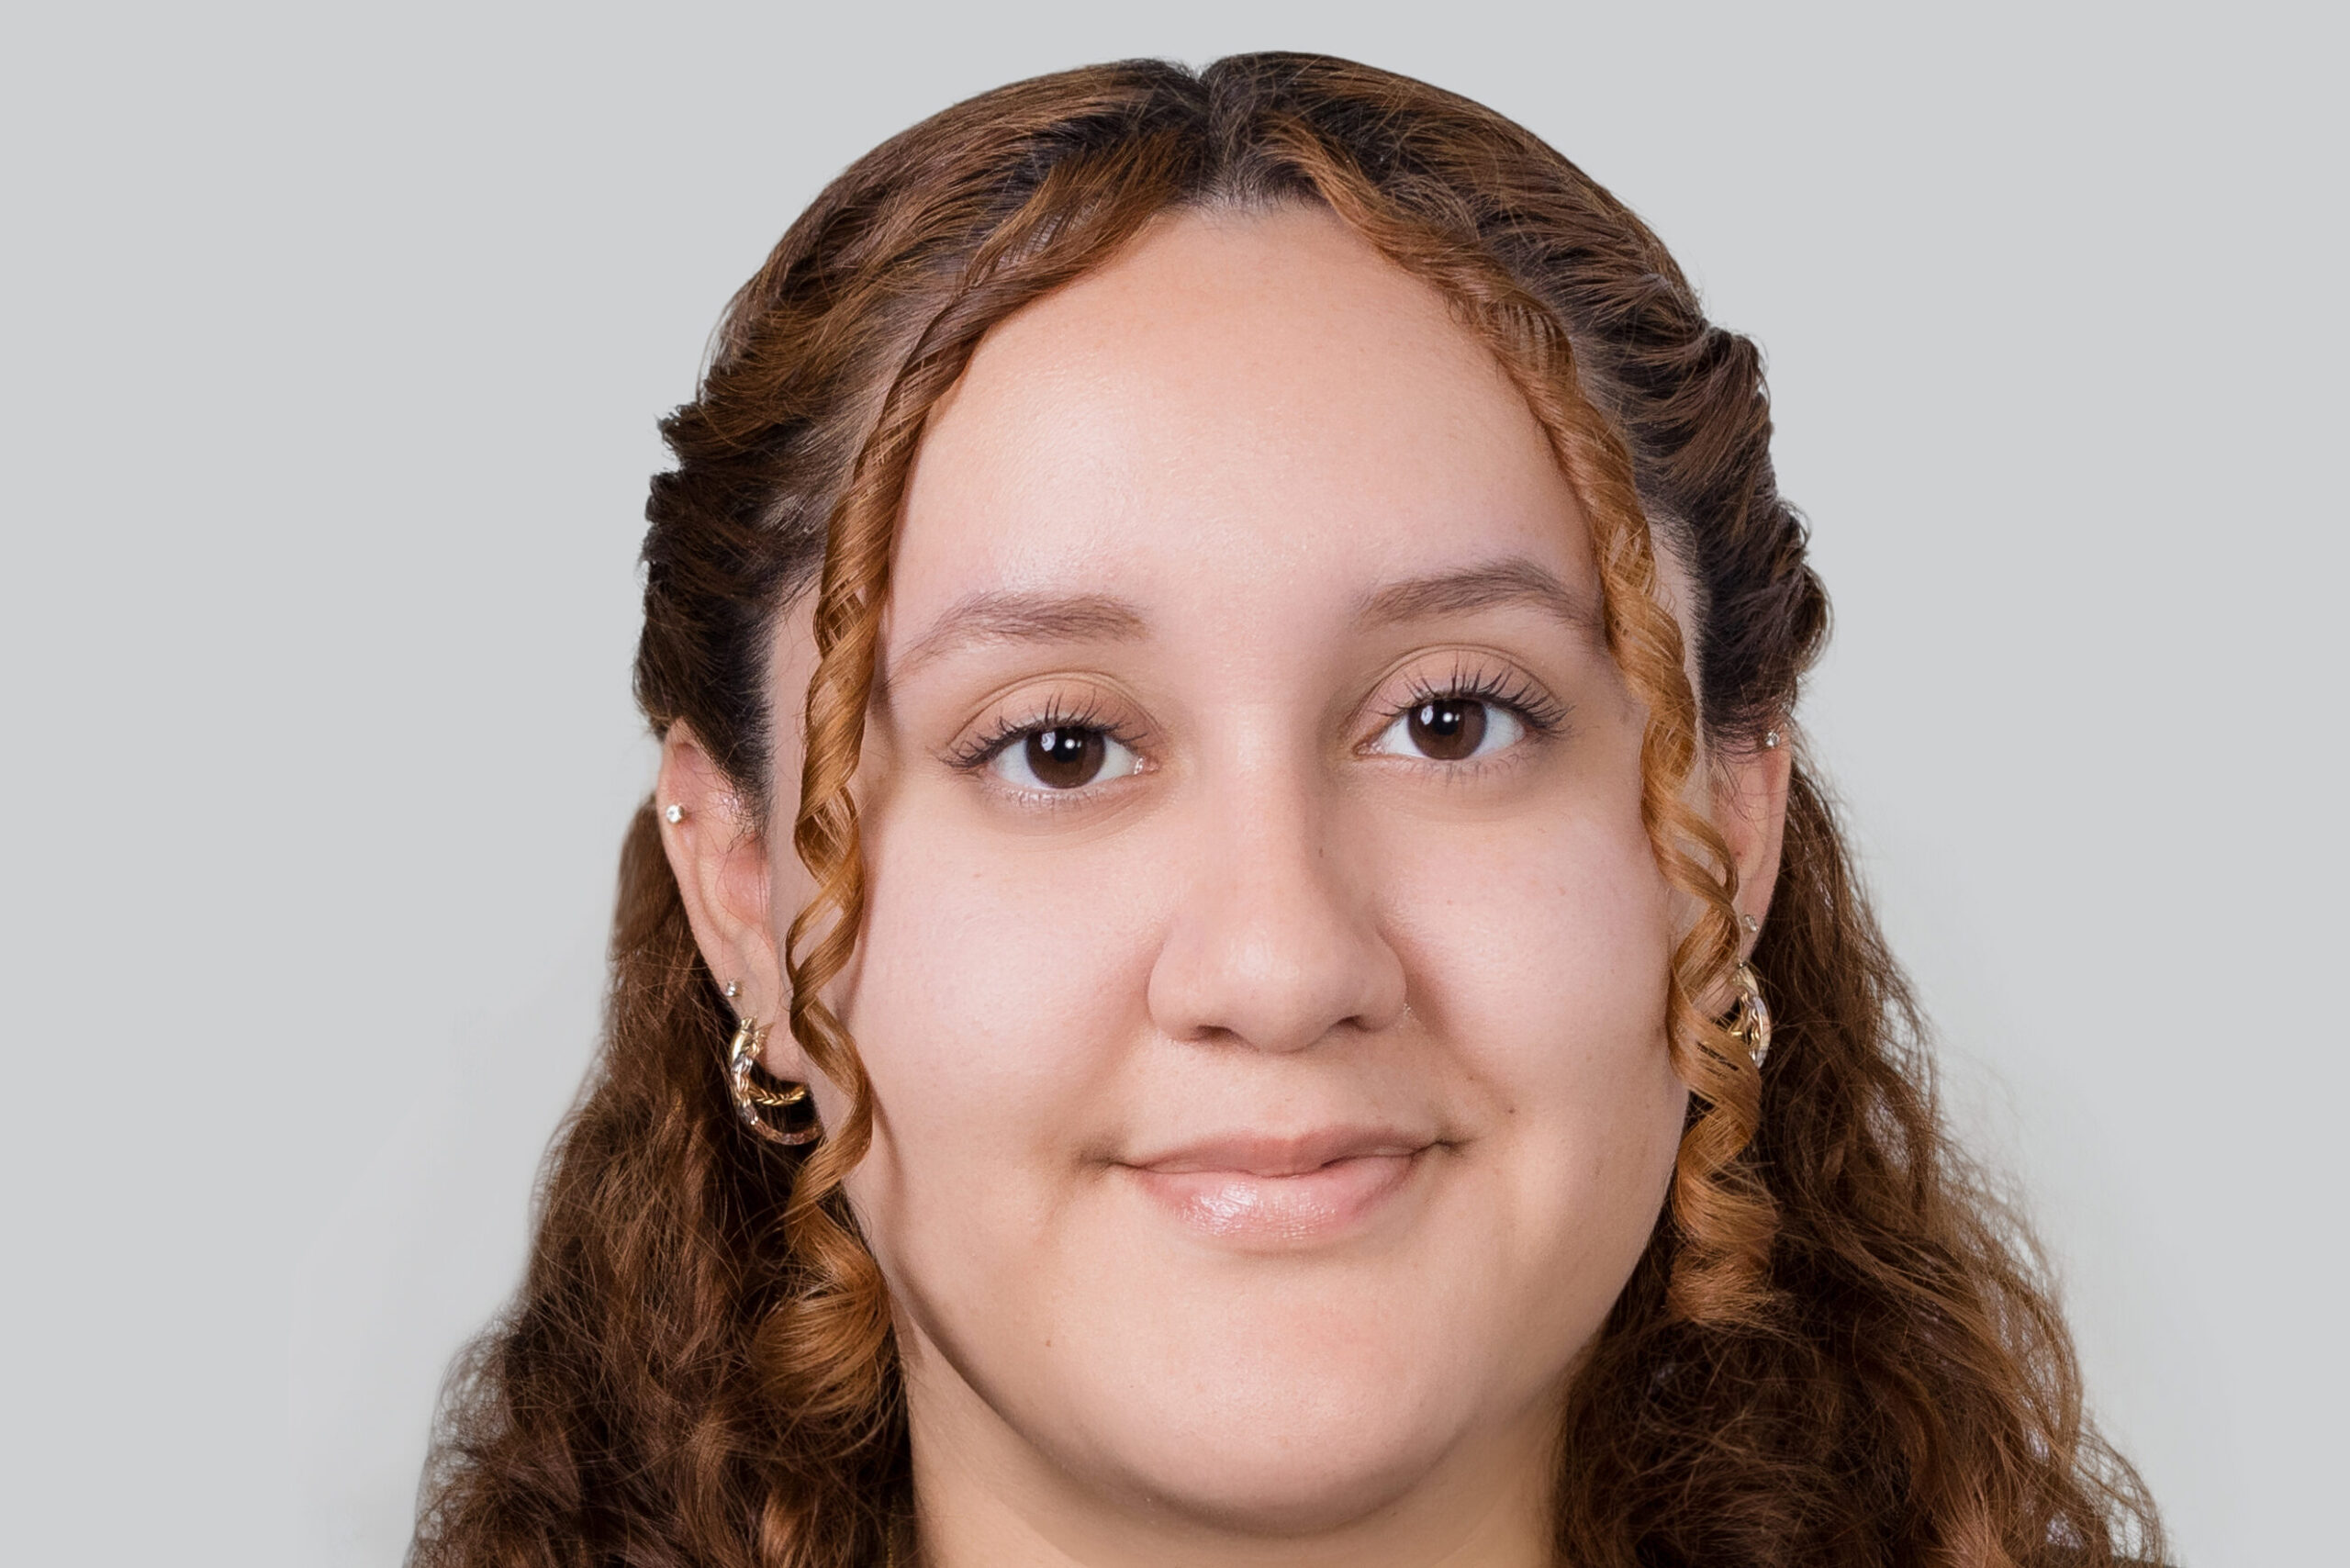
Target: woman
{"x":1225,"y":648}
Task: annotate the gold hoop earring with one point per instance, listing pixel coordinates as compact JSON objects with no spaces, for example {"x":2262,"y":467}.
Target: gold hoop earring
{"x":1752,"y":1020}
{"x":751,"y":1098}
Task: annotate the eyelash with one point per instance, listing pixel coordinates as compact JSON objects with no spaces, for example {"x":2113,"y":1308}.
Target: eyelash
{"x":982,"y":749}
{"x":1543,"y":714}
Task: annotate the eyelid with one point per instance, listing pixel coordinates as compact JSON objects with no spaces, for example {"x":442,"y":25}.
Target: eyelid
{"x":1077,"y":703}
{"x":1015,"y":719}
{"x":1482,"y":677}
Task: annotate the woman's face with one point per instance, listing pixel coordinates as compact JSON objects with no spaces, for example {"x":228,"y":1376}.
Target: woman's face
{"x":1263,"y":983}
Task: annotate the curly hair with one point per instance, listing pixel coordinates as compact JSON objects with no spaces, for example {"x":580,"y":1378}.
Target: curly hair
{"x":1837,"y":1348}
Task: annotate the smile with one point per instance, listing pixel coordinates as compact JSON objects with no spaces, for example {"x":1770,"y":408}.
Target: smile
{"x":1282,"y":1192}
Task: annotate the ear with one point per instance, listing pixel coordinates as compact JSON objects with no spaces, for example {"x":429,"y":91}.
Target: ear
{"x":720,"y":858}
{"x":1750,"y":809}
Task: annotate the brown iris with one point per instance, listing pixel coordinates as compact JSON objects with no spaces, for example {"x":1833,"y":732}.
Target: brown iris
{"x":1449,"y":730}
{"x":1066,"y":759}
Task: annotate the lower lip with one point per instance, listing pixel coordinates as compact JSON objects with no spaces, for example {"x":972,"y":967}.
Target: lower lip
{"x":1321,"y":1204}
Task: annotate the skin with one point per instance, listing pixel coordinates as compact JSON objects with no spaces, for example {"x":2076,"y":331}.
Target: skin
{"x":1241,"y":500}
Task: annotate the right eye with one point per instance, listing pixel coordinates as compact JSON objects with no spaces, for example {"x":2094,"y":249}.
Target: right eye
{"x":1064,"y":757}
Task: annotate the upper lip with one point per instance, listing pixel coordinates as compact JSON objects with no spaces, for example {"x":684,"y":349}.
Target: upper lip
{"x":1282,"y":1154}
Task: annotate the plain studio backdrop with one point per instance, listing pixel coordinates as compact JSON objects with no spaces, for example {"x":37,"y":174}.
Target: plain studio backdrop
{"x":334,"y":340}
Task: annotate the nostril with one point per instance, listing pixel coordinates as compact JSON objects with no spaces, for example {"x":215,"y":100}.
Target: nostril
{"x":1274,"y":973}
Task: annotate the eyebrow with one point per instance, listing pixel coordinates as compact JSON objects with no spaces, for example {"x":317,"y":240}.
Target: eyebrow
{"x":1515,"y":579}
{"x":999,"y":615}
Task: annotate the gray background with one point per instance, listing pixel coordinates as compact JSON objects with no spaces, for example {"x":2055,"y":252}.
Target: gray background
{"x":333,"y":341}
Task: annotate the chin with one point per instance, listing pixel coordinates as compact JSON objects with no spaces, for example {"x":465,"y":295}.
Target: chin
{"x":1299,"y":1476}
{"x":1279,"y":1440}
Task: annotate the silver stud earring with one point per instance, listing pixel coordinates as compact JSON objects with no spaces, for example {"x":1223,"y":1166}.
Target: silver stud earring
{"x":676,"y":813}
{"x":1770,"y":743}
{"x":1751,"y":923}
{"x":733,"y":990}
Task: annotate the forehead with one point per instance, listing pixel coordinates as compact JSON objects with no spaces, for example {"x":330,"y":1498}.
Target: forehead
{"x":1242,"y":409}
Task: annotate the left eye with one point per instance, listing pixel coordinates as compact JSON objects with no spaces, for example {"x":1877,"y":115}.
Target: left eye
{"x":1068,"y":757}
{"x":1451,"y":729}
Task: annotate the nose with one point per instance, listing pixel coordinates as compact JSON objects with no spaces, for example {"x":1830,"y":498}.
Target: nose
{"x":1274,"y":942}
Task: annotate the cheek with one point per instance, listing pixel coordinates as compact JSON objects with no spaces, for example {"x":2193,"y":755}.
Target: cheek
{"x":980,"y":960}
{"x":1540,"y":955}
{"x":1538,"y":942}
{"x":995,"y":995}
{"x":1565,"y":925}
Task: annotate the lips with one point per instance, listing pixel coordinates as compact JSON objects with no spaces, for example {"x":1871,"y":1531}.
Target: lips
{"x":1286,"y":1191}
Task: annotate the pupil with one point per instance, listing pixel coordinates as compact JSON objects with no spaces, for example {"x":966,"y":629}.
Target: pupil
{"x":1064,"y":759}
{"x":1448,"y":731}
